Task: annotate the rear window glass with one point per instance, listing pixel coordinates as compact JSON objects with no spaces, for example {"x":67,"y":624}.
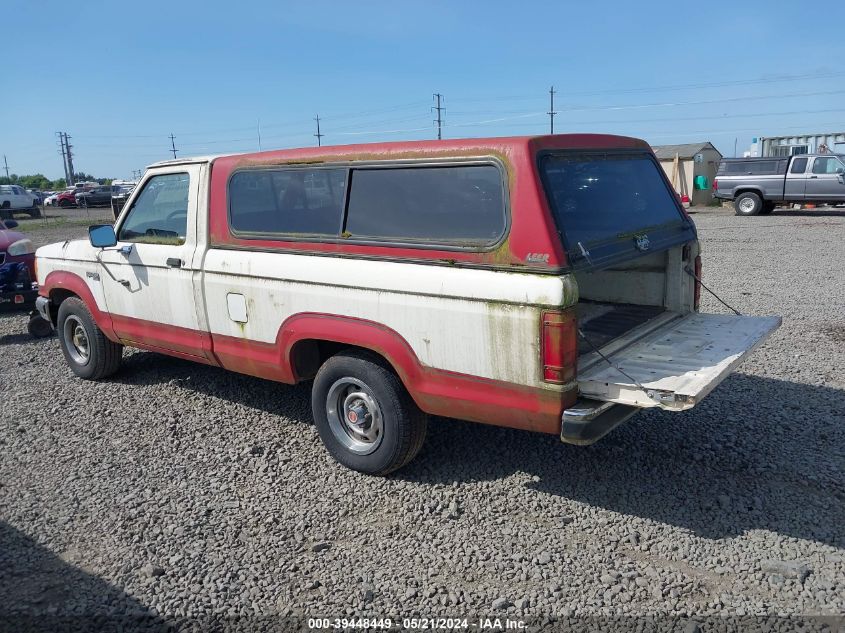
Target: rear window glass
{"x":752,"y":167}
{"x":455,"y":204}
{"x":600,"y":198}
{"x":287,"y":201}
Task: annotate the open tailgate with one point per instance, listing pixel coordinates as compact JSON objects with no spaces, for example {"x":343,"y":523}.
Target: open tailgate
{"x":677,"y":364}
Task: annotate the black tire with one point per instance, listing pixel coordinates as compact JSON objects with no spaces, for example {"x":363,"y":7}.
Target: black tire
{"x":38,"y":327}
{"x":748,"y":203}
{"x":101,"y":357}
{"x":402,"y":429}
{"x":64,"y":204}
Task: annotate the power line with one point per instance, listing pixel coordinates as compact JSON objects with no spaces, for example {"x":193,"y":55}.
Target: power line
{"x":667,"y":88}
{"x":439,"y":119}
{"x":318,"y":135}
{"x":173,"y":145}
{"x":552,"y":112}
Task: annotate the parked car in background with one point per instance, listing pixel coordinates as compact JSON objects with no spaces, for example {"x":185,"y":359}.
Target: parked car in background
{"x":118,"y":200}
{"x":756,"y":185}
{"x":16,"y":199}
{"x":39,"y":195}
{"x":505,"y":281}
{"x":66,"y":198}
{"x":17,"y":268}
{"x":50,"y":201}
{"x":96,"y":197}
{"x":18,"y":288}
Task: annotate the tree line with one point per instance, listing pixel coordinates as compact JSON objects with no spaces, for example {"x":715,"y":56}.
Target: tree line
{"x":42,"y":183}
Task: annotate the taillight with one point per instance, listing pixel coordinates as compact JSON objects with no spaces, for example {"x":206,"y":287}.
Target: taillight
{"x":697,"y":288}
{"x":715,"y":184}
{"x":559,"y":347}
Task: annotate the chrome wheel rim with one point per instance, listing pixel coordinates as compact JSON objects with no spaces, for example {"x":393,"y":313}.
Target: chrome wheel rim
{"x":354,"y":415}
{"x":76,"y":340}
{"x":746,"y":205}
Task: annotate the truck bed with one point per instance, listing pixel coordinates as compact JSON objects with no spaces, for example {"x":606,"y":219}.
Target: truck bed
{"x":603,"y":322}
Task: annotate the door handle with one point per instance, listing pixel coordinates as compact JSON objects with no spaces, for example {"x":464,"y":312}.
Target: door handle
{"x":174,"y":262}
{"x":813,"y":176}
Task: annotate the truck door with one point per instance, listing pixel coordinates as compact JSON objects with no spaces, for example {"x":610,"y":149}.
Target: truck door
{"x":796,"y":179}
{"x":826,"y":182}
{"x":21,"y":199}
{"x":148,"y":285}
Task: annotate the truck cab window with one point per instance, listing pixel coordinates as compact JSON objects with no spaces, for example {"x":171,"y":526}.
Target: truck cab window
{"x":828,"y":165}
{"x":799,"y":166}
{"x":160,"y":214}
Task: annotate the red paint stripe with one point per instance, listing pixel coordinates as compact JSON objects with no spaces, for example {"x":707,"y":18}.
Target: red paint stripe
{"x":71,"y":282}
{"x":184,"y":342}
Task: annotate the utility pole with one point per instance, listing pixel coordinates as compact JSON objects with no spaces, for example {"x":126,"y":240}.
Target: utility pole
{"x":551,"y":111}
{"x":439,"y":119}
{"x":64,"y":155}
{"x":735,"y":140}
{"x":7,"y":166}
{"x":318,"y":135}
{"x":173,"y":145}
{"x":68,"y":147}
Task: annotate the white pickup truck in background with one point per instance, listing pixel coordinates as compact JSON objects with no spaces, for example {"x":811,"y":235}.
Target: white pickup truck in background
{"x":16,"y":198}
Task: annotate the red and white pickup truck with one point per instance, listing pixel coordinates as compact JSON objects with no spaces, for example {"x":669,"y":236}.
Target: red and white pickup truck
{"x":542,"y":283}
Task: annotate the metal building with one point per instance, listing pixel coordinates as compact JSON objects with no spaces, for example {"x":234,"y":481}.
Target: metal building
{"x":799,"y":144}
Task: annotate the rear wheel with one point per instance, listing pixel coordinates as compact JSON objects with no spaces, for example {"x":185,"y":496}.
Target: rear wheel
{"x":87,"y":350}
{"x":364,"y":415}
{"x":64,"y":204}
{"x":748,"y":203}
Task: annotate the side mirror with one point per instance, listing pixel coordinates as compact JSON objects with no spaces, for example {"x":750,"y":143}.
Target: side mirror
{"x":10,"y":224}
{"x":102,"y":235}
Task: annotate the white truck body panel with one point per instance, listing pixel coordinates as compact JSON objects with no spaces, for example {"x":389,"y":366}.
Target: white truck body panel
{"x":456,"y":319}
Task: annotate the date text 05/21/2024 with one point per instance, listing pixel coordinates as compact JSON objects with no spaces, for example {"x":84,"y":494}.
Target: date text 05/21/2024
{"x":418,"y":624}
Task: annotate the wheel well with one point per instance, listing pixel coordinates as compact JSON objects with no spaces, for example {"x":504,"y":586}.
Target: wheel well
{"x":308,"y":355}
{"x":739,"y":192}
{"x":56,"y":297}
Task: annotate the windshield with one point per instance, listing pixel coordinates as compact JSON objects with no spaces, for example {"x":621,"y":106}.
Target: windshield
{"x":610,"y":206}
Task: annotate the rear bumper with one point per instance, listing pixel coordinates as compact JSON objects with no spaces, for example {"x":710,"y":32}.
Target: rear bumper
{"x":17,"y":300}
{"x":587,"y":421}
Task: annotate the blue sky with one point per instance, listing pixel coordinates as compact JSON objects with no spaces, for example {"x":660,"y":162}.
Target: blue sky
{"x":120,"y":77}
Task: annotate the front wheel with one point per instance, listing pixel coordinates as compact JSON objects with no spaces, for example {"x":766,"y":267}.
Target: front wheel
{"x":364,"y":415}
{"x":87,"y":350}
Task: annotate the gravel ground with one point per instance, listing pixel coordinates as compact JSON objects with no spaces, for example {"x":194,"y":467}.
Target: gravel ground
{"x":179,"y":491}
